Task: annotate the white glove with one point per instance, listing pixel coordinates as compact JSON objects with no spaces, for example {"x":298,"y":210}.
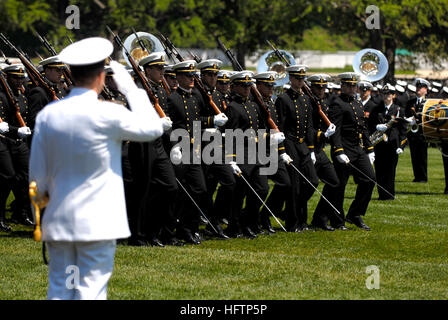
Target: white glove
{"x":285,"y":158}
{"x":399,"y":151}
{"x":342,"y":158}
{"x":122,"y":78}
{"x":277,"y":138}
{"x":381,"y":127}
{"x":4,"y":127}
{"x":220,"y":119}
{"x":23,"y":132}
{"x":313,"y":157}
{"x":371,"y":157}
{"x":176,"y":155}
{"x":411,"y":120}
{"x":235,"y":168}
{"x":166,"y":123}
{"x":330,"y":131}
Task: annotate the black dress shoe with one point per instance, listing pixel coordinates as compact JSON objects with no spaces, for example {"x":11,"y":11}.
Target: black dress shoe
{"x":215,"y":234}
{"x":22,"y":219}
{"x":269,"y":229}
{"x":257,"y":230}
{"x":173,"y":242}
{"x":342,"y":228}
{"x":357,"y":221}
{"x":4,"y":227}
{"x":202,"y":220}
{"x":248,"y":233}
{"x":323,"y":227}
{"x":156,"y":242}
{"x":198,"y":236}
{"x":189,"y":238}
{"x":137,"y":243}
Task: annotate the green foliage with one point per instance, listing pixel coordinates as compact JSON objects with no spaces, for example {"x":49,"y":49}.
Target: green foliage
{"x":243,"y":25}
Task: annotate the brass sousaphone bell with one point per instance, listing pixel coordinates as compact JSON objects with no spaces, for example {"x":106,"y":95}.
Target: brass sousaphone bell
{"x":270,"y":62}
{"x":370,"y":64}
{"x":151,"y":43}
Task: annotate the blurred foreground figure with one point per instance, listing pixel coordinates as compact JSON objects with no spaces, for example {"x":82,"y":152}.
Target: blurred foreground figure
{"x":76,"y":161}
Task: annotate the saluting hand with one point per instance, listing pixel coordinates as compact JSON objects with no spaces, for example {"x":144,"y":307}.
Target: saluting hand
{"x":122,"y":78}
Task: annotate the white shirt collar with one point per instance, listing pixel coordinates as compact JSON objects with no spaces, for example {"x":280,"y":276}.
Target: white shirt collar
{"x":77,"y":91}
{"x":365,"y":101}
{"x":183,"y":89}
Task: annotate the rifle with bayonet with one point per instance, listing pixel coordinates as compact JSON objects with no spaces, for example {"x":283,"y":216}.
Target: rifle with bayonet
{"x":144,"y":48}
{"x":67,"y":74}
{"x":198,"y":83}
{"x":11,"y":98}
{"x":305,"y":87}
{"x":139,"y":74}
{"x":257,"y":95}
{"x":5,"y":60}
{"x":33,"y":73}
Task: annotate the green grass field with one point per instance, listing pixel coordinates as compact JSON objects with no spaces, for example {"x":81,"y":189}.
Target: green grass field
{"x":408,"y":243}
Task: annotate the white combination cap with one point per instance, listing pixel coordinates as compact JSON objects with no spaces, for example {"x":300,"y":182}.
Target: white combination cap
{"x":87,"y":51}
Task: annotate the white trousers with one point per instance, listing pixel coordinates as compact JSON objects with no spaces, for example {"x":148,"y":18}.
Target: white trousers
{"x":79,"y":270}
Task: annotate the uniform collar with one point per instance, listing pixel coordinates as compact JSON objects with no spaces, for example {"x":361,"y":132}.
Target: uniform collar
{"x":184,"y":91}
{"x":78,"y":91}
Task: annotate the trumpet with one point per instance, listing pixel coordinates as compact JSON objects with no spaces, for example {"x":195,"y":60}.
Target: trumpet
{"x":413,"y":122}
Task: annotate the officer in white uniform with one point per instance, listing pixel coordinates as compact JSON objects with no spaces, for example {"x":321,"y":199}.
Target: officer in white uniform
{"x":76,"y":161}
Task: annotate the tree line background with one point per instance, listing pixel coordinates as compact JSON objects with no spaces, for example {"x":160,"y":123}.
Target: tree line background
{"x":243,"y":25}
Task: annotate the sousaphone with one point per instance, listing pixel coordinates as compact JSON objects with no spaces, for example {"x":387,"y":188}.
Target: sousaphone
{"x":270,"y":62}
{"x":151,"y":43}
{"x":370,"y":64}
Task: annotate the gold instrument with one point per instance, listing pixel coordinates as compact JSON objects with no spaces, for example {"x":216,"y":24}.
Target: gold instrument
{"x":371,"y":64}
{"x":38,"y":204}
{"x":379,"y":136}
{"x":133,"y":47}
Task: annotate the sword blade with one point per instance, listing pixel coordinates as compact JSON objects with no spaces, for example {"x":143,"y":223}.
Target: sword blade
{"x":197,"y":206}
{"x":263,"y":202}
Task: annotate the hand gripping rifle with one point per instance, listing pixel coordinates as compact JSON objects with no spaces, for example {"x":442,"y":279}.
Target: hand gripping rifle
{"x":253,"y":89}
{"x":12,"y":99}
{"x":198,"y":83}
{"x":139,"y":74}
{"x":67,"y":74}
{"x":144,"y":48}
{"x":305,"y":87}
{"x":32,"y":71}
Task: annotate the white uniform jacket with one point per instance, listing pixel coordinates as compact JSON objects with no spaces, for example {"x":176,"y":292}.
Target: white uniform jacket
{"x":76,"y":158}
